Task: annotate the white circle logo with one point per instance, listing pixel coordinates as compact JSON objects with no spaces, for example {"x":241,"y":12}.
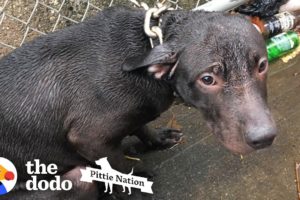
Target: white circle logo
{"x":8,"y":176}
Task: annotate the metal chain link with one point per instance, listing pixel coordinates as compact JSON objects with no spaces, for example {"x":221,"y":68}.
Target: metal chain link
{"x":15,"y":30}
{"x":22,"y":20}
{"x":155,"y":13}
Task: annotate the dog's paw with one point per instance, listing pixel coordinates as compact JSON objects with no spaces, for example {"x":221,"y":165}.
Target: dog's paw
{"x":166,"y":138}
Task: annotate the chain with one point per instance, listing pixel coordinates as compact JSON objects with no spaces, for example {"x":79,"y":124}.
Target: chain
{"x":153,"y":13}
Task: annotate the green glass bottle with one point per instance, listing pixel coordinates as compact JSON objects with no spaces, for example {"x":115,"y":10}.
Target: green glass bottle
{"x":281,"y":44}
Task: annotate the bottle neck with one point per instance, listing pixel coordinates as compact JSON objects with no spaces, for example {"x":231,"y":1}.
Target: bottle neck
{"x":278,"y":23}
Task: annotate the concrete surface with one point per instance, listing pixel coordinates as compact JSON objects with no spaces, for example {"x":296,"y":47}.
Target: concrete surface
{"x":202,"y":169}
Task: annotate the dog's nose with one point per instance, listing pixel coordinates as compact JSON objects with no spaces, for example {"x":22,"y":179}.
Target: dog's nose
{"x":261,"y":137}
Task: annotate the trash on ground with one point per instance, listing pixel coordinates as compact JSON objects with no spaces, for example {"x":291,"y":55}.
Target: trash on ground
{"x":282,"y":44}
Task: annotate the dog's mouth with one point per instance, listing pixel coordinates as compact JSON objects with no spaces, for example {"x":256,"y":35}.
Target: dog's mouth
{"x":237,"y":148}
{"x":231,"y":140}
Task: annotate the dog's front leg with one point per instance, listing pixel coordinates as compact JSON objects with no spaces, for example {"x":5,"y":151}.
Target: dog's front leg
{"x":95,"y":142}
{"x":129,"y":190}
{"x":158,"y":138}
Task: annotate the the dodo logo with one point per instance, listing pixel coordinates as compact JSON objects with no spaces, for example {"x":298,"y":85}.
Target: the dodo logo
{"x":8,"y":176}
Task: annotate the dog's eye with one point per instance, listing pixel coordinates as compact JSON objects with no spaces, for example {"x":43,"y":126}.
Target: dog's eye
{"x":262,"y":66}
{"x":208,"y":80}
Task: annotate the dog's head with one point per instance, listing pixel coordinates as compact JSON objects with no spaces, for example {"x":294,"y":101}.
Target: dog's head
{"x":217,"y":63}
{"x":103,"y":163}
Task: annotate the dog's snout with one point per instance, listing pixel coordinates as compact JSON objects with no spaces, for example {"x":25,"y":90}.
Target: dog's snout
{"x":261,"y":137}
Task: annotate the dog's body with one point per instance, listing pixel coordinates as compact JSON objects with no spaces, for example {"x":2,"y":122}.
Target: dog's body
{"x":52,"y":94}
{"x":52,"y":88}
{"x":70,"y":97}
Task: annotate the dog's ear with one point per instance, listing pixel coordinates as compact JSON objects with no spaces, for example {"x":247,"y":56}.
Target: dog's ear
{"x":159,"y":61}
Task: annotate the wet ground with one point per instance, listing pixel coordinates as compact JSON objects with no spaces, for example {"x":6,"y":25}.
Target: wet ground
{"x":202,"y":169}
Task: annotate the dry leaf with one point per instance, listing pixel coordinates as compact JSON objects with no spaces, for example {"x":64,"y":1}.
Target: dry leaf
{"x":174,"y":124}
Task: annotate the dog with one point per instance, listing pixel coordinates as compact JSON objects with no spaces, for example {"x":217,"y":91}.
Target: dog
{"x":71,"y":96}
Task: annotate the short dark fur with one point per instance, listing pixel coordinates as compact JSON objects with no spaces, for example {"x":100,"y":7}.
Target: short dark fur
{"x":70,"y":97}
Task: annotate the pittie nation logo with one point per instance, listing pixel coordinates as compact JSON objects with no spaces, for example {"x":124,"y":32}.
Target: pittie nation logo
{"x":8,"y":176}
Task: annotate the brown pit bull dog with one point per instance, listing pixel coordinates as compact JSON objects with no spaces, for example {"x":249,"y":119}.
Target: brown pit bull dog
{"x":70,"y":97}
